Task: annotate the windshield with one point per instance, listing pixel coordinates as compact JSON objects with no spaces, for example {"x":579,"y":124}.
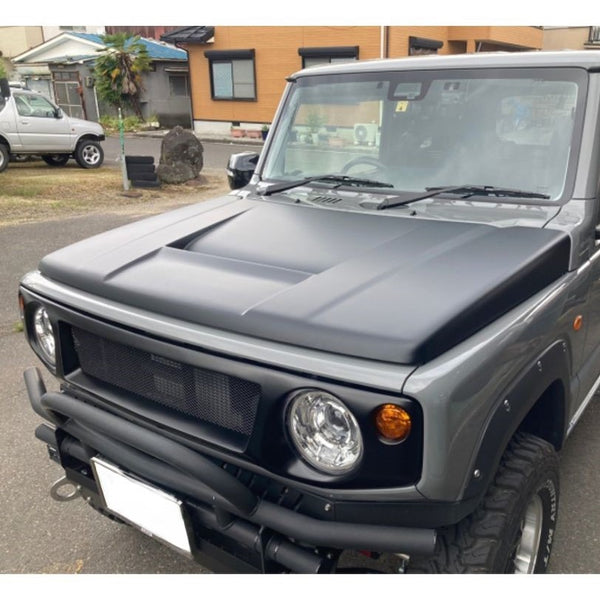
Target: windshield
{"x":510,"y":128}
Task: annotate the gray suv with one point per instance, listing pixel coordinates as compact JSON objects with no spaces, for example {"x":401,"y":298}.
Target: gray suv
{"x":379,"y":342}
{"x":31,"y":124}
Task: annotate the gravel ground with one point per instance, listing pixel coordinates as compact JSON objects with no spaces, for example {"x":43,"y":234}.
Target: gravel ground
{"x":32,"y":191}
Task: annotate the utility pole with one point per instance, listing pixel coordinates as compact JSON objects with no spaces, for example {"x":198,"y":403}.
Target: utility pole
{"x":123,"y":163}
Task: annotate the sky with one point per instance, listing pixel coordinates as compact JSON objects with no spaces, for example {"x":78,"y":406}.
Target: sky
{"x":305,"y":12}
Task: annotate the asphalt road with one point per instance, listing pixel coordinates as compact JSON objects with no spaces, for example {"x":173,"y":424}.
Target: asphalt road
{"x":39,"y":535}
{"x":216,"y":153}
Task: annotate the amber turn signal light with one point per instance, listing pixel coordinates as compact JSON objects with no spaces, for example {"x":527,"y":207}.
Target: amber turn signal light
{"x":392,"y":422}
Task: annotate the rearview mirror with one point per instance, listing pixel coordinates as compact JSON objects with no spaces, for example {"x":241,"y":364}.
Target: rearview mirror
{"x":58,"y":113}
{"x":240,"y":169}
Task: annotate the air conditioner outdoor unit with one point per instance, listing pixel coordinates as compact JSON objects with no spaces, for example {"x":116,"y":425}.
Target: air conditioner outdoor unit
{"x":365,"y":134}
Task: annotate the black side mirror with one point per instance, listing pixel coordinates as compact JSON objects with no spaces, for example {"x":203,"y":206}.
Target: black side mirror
{"x":58,"y":113}
{"x":240,"y":169}
{"x":4,"y":88}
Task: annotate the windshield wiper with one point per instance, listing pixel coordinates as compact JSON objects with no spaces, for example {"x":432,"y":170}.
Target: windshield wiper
{"x":467,"y":191}
{"x":340,"y":179}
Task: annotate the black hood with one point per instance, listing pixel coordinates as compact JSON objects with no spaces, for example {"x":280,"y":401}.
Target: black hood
{"x":377,"y":286}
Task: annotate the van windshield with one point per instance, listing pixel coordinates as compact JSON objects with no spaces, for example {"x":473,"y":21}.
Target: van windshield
{"x":509,"y":128}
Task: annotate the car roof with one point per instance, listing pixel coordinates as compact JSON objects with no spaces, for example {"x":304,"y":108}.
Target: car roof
{"x":586,"y":59}
{"x":27,"y":91}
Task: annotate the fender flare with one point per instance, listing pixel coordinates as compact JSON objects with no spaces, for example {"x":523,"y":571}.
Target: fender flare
{"x":92,"y":137}
{"x":513,"y":407}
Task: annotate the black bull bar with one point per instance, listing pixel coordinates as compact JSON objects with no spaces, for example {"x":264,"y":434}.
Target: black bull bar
{"x":181,"y":469}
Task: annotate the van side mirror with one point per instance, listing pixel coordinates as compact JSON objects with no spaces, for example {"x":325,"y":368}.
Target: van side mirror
{"x":58,"y":113}
{"x":240,"y":169}
{"x":4,"y":88}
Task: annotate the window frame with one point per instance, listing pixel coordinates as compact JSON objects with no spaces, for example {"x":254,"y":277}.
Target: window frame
{"x":328,"y":52}
{"x":418,"y":46}
{"x":229,"y":57}
{"x":18,"y":96}
{"x":179,"y":76}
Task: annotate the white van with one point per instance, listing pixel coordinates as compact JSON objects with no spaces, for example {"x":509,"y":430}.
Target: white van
{"x":32,"y":124}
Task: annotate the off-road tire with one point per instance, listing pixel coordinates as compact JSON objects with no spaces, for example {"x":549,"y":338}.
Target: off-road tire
{"x":4,"y":157}
{"x":89,"y":154}
{"x":487,"y":541}
{"x":56,"y":160}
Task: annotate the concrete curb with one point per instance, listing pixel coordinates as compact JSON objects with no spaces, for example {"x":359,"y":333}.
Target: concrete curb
{"x":203,"y":138}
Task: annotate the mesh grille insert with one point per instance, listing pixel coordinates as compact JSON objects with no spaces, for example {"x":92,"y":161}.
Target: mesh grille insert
{"x":212,"y":397}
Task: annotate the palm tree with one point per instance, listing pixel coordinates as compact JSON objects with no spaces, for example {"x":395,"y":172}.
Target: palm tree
{"x":119,"y":71}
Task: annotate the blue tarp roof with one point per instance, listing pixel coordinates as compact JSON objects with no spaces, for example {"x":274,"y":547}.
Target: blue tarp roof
{"x":156,"y":50}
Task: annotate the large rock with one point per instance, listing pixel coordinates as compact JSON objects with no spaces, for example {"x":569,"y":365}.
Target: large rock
{"x":181,"y":157}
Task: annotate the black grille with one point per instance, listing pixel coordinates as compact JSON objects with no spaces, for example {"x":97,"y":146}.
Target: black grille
{"x":212,"y":397}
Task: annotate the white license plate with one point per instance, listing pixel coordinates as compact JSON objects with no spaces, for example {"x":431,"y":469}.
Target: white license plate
{"x":155,"y":512}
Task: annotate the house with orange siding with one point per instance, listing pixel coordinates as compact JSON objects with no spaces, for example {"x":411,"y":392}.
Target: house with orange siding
{"x":237,"y":74}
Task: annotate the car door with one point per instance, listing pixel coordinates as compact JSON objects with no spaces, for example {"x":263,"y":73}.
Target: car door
{"x":8,"y":122}
{"x":589,"y":373}
{"x":41,"y":127}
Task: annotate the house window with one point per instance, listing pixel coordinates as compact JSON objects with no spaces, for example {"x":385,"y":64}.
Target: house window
{"x":417,"y":46}
{"x":65,"y":76}
{"x":327,"y":55}
{"x":232,"y":74}
{"x":178,"y":85}
{"x":594,"y":35}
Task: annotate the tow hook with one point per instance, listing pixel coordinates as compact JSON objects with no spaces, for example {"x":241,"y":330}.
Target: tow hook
{"x":404,"y":560}
{"x":72,"y":491}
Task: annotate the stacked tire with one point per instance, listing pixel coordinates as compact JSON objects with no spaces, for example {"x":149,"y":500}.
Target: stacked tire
{"x":141,"y":171}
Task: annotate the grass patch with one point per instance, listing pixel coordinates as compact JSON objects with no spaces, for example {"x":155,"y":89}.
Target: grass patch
{"x":34,"y":191}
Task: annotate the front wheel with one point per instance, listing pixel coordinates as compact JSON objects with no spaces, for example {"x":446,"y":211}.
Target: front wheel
{"x":513,"y":528}
{"x":4,"y":157}
{"x":89,"y":154}
{"x":56,"y":160}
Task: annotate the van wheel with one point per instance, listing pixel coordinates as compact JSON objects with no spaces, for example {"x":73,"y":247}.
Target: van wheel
{"x":4,"y":157}
{"x":513,"y":528}
{"x":89,"y":154}
{"x":56,"y":160}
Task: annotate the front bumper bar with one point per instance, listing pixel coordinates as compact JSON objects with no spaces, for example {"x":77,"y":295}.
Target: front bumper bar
{"x":170,"y":464}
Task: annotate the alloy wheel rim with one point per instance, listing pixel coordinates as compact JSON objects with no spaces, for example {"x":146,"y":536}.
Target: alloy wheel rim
{"x":90,"y":155}
{"x":528,"y":543}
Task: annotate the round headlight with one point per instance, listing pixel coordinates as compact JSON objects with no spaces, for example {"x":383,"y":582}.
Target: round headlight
{"x":44,"y":335}
{"x":324,"y":432}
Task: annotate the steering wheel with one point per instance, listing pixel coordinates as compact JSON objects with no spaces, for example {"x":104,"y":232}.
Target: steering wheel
{"x":366,"y":160}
